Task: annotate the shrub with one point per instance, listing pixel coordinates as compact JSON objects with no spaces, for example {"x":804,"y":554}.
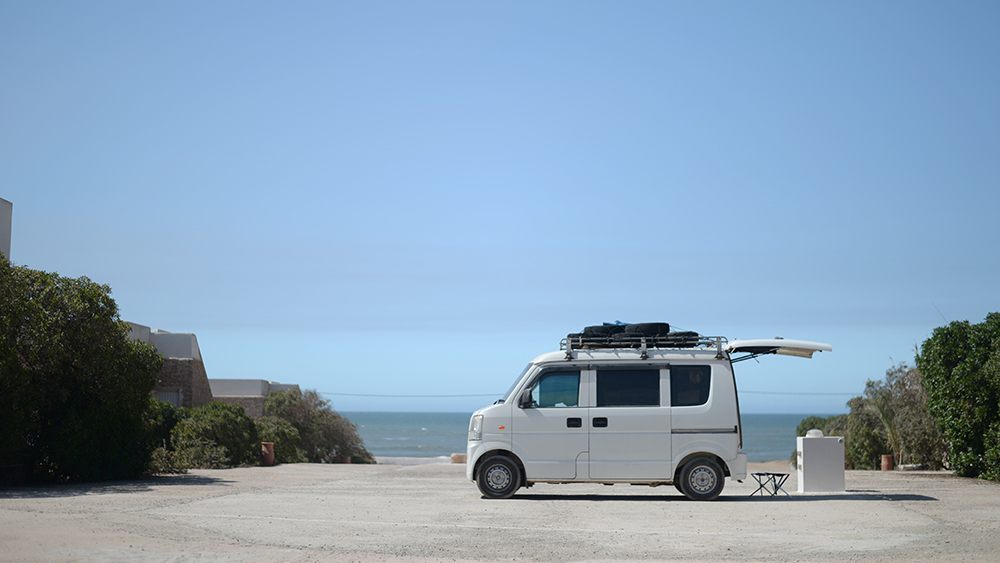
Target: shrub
{"x":217,"y":435}
{"x":160,"y":421}
{"x":287,"y":442}
{"x":75,"y":387}
{"x":960,"y":363}
{"x":864,"y":440}
{"x":810,"y":422}
{"x":164,"y":461}
{"x":326,"y":436}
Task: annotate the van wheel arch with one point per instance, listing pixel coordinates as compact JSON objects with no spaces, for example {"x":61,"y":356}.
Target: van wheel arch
{"x":502,"y":453}
{"x":690,"y":457}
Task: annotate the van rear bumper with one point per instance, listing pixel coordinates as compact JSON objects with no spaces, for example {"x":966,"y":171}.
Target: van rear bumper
{"x":738,"y":467}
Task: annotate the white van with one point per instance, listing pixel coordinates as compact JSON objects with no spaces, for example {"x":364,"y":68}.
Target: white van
{"x":654,"y":409}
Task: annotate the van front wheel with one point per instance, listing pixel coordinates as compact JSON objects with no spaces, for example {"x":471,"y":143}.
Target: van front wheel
{"x":498,"y":477}
{"x":702,"y":479}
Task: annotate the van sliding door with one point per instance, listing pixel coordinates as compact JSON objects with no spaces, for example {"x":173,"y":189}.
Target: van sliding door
{"x":629,"y":424}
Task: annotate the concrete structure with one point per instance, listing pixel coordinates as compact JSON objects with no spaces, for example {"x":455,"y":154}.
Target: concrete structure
{"x":183,"y":381}
{"x":247,"y":393}
{"x":819,"y":463}
{"x":6,"y":215}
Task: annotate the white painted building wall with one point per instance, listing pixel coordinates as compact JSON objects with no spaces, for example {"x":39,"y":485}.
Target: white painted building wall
{"x":180,"y":345}
{"x":183,"y":345}
{"x":6,"y":214}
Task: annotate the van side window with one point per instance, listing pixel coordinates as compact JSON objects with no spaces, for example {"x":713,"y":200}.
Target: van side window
{"x":557,"y":389}
{"x":628,"y":387}
{"x":689,"y":385}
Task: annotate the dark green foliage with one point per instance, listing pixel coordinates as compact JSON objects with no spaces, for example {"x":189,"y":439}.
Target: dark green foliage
{"x":961,"y":367}
{"x":287,"y":442}
{"x":810,"y":422}
{"x":74,"y":388}
{"x":164,"y":461}
{"x":326,"y":436}
{"x":217,"y":435}
{"x":201,"y":453}
{"x":160,"y":421}
{"x":864,"y":440}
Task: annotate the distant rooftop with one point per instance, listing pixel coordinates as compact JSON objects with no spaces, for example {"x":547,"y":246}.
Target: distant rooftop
{"x":178,"y":345}
{"x":247,"y":387}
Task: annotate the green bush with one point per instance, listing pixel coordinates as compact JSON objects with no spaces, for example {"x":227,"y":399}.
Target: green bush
{"x":164,"y":461}
{"x":810,"y":422}
{"x":217,"y":435}
{"x":202,"y":453}
{"x":326,"y":436}
{"x":287,"y":442}
{"x":864,"y":441}
{"x":961,"y":367}
{"x":161,"y":418}
{"x":75,"y":387}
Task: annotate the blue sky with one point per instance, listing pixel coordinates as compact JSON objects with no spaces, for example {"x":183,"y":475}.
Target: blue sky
{"x":417,"y":198}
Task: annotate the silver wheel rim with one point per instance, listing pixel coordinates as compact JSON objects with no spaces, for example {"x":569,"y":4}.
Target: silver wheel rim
{"x":498,"y":477}
{"x":702,"y":479}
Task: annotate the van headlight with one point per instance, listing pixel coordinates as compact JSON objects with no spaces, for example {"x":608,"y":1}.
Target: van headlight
{"x":476,"y":428}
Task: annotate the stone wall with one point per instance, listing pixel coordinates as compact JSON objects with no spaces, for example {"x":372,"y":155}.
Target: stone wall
{"x":187,"y":376}
{"x":253,"y":406}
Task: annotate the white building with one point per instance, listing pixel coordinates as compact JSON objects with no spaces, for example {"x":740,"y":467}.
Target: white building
{"x":183,"y":381}
{"x":247,"y":393}
{"x":6,"y":212}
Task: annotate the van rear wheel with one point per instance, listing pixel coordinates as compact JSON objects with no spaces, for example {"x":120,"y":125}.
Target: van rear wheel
{"x":498,"y":478}
{"x":702,"y":479}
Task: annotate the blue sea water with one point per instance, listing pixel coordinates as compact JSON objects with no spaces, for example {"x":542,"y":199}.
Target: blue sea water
{"x":766,"y":437}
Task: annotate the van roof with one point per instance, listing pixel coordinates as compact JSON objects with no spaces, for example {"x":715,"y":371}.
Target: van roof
{"x":627,"y":354}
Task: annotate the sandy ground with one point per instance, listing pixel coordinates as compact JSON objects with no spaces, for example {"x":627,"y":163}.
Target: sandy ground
{"x":343,"y":512}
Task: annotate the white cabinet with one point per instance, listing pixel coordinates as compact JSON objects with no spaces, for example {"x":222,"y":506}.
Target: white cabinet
{"x":820,"y":463}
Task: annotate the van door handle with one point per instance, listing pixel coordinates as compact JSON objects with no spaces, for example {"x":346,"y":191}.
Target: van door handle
{"x":600,"y":422}
{"x":574,"y":423}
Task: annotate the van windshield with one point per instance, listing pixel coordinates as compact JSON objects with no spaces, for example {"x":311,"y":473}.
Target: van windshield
{"x":506,"y":396}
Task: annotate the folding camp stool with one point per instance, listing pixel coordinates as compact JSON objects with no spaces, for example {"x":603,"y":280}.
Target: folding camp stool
{"x":770,"y":483}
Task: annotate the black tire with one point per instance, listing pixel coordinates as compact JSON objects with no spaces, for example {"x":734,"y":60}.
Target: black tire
{"x":684,"y":339}
{"x":602,"y":330}
{"x":648,"y":329}
{"x":702,"y":479}
{"x":498,"y":478}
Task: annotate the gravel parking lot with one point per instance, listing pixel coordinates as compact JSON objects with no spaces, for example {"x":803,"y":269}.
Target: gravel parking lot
{"x":344,"y":512}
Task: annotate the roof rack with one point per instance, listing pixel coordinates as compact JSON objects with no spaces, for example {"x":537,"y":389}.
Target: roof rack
{"x":675,"y":341}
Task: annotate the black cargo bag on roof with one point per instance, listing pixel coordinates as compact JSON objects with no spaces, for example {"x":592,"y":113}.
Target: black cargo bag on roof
{"x":602,"y":330}
{"x":647,"y":329}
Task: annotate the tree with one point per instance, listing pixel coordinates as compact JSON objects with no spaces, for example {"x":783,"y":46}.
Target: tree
{"x":74,"y":388}
{"x":287,"y":442}
{"x":327,"y":437}
{"x":961,"y":367}
{"x":890,"y":417}
{"x":217,"y":435}
{"x":864,"y":439}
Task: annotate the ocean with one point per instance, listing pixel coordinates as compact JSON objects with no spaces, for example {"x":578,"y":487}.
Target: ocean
{"x":766,"y":437}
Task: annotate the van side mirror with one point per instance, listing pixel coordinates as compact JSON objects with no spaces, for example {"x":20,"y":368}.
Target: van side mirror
{"x":524,"y":401}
